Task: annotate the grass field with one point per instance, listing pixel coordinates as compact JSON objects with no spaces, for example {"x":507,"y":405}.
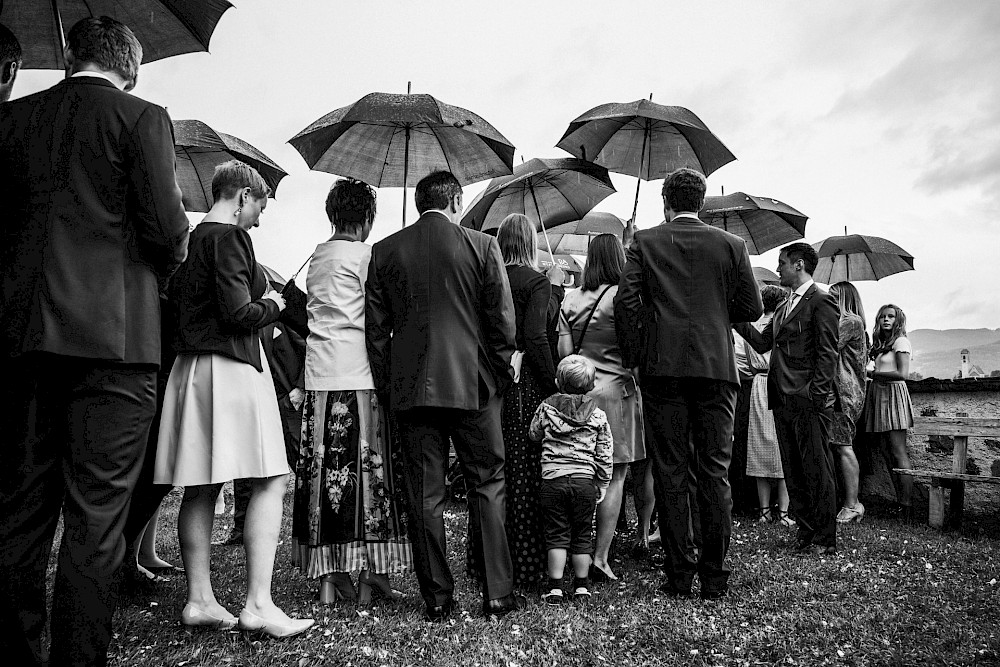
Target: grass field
{"x":893,"y":595}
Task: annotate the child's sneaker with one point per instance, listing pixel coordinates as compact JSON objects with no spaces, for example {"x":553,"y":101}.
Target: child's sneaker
{"x":581,"y":595}
{"x":554,"y":597}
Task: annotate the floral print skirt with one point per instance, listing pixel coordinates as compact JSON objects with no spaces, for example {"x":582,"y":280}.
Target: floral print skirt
{"x":346,"y":516}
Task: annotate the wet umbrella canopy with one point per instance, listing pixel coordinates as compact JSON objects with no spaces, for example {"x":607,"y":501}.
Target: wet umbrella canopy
{"x":574,"y":237}
{"x":762,"y":222}
{"x":199,"y":150}
{"x":389,"y":140}
{"x":857,"y":257}
{"x":164,"y":27}
{"x":550,"y":191}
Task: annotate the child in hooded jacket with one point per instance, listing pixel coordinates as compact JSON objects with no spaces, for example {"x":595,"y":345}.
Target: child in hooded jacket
{"x":577,"y":459}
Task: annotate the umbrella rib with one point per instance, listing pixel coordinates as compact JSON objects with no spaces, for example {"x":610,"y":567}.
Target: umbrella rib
{"x":433,"y":133}
{"x":201,"y":181}
{"x":385,"y":162}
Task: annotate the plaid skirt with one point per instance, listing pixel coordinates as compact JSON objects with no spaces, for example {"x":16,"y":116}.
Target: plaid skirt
{"x":887,"y":407}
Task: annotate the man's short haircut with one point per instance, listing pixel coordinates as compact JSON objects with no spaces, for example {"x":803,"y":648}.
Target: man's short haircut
{"x":231,"y":177}
{"x":435,"y":191}
{"x":350,"y":204}
{"x":803,"y":251}
{"x":684,"y":190}
{"x":108,"y":43}
{"x":576,"y":374}
{"x":10,"y":48}
{"x":772,"y":296}
{"x":517,"y":239}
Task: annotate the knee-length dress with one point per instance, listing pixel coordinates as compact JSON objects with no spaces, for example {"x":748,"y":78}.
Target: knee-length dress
{"x":346,"y":515}
{"x":850,"y":379}
{"x":763,"y":453}
{"x":220,"y":417}
{"x":615,"y":388}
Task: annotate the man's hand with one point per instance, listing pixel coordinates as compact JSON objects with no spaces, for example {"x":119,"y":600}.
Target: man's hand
{"x":555,"y":275}
{"x":277,"y":298}
{"x":297,"y":397}
{"x":600,"y":494}
{"x":629,"y":232}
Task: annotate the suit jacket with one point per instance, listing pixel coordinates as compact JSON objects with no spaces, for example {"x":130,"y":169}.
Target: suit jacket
{"x":439,"y":318}
{"x":286,"y":355}
{"x":803,"y":347}
{"x":683,"y":285}
{"x":92,"y":218}
{"x":217,"y":296}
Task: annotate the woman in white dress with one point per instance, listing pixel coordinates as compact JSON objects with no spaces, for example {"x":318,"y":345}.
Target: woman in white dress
{"x":220,"y":414}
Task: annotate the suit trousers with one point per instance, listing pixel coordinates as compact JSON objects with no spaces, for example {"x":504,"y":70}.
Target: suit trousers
{"x":807,"y":461}
{"x":690,"y":423}
{"x":424,"y":434}
{"x":147,"y":496}
{"x":74,"y":433}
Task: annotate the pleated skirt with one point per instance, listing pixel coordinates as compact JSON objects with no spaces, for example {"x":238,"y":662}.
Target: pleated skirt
{"x":887,"y":407}
{"x":220,"y":422}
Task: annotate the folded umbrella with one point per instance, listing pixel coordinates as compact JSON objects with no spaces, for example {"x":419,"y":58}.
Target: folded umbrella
{"x":389,"y":140}
{"x":857,"y":257}
{"x":199,"y":150}
{"x":764,"y":223}
{"x":164,"y":27}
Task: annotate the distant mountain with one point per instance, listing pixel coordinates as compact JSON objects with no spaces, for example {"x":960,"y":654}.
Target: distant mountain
{"x":938,"y":353}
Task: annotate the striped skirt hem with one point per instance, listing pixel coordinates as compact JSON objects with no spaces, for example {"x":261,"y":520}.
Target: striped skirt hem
{"x":376,"y":557}
{"x":887,"y":407}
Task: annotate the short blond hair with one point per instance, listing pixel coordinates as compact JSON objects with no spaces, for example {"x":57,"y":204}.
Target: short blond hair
{"x":576,"y":374}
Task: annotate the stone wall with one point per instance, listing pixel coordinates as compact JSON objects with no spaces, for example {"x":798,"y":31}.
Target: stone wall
{"x":972,"y":397}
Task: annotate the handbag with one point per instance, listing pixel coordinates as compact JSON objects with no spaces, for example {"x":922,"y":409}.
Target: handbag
{"x":578,"y":344}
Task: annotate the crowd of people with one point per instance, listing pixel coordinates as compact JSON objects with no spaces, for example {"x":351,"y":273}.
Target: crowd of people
{"x":151,"y":355}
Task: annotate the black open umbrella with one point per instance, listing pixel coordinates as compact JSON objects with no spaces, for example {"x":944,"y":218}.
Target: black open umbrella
{"x":764,"y":223}
{"x":389,"y":140}
{"x":644,"y":139}
{"x":164,"y":27}
{"x":856,"y":257}
{"x":549,"y":190}
{"x":200,"y":149}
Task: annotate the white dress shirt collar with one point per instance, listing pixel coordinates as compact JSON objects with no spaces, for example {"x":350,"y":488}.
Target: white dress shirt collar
{"x":99,"y":75}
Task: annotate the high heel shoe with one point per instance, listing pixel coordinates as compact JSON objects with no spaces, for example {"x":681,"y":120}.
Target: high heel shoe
{"x":849,"y":514}
{"x":336,"y":586}
{"x":192,"y":617}
{"x":375,"y":583}
{"x":251,"y":622}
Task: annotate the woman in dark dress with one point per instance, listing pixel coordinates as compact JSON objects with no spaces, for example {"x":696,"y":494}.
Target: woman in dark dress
{"x":531,"y":292}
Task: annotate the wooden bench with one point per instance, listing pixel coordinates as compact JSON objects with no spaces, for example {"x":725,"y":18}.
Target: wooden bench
{"x":959,"y":428}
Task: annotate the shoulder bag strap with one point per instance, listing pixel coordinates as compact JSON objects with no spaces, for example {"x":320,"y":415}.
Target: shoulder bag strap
{"x":578,"y":345}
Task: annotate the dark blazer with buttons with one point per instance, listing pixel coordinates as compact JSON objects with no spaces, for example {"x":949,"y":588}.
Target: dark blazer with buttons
{"x":216,"y":296}
{"x":91,"y":219}
{"x":803,"y":347}
{"x":684,"y":284}
{"x":439,"y":317}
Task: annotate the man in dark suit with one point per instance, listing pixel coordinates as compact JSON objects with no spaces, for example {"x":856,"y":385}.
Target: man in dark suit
{"x":802,"y":338}
{"x":10,"y":61}
{"x":440,"y":327}
{"x":683,"y":286}
{"x":92,"y":219}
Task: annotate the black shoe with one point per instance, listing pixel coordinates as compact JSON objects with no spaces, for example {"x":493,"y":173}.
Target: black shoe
{"x":503,"y":606}
{"x":234,"y":540}
{"x":714,"y":594}
{"x":439,"y":613}
{"x":672,"y":591}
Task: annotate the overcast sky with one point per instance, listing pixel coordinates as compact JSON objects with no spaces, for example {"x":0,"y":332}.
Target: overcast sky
{"x":883,"y":117}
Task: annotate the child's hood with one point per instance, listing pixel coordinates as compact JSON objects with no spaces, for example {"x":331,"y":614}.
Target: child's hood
{"x":573,"y":408}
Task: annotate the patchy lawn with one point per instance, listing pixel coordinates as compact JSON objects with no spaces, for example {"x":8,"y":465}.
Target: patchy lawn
{"x":893,"y":595}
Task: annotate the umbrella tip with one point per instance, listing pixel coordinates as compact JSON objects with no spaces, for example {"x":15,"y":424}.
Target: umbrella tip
{"x":651,"y":97}
{"x":583,"y":151}
{"x":409,"y":85}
